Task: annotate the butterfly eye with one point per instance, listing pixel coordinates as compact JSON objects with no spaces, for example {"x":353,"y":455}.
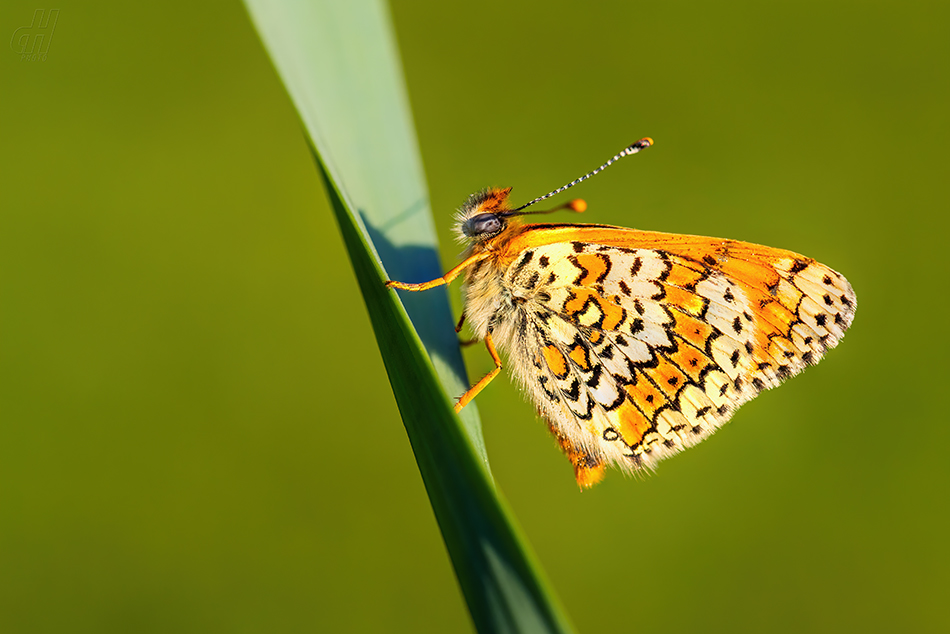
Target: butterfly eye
{"x":482,"y":225}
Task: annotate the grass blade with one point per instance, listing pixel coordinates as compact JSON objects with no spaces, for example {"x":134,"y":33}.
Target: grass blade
{"x":340,"y":66}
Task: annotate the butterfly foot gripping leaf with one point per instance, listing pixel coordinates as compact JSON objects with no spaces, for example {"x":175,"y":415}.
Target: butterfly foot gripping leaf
{"x":637,"y":344}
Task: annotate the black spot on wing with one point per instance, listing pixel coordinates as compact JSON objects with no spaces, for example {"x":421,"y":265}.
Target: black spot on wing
{"x":667,"y":267}
{"x":522,"y":262}
{"x":594,"y":380}
{"x":798,"y":266}
{"x":543,"y":381}
{"x":532,"y":281}
{"x":574,"y":392}
{"x":635,"y":267}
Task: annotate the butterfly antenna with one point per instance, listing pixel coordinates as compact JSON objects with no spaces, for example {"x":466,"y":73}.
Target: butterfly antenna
{"x":627,"y":151}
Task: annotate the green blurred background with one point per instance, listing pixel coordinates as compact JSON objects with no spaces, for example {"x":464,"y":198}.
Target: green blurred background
{"x":185,"y":357}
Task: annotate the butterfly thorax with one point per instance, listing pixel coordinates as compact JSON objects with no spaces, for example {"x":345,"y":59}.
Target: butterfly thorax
{"x":486,"y":295}
{"x":482,"y":224}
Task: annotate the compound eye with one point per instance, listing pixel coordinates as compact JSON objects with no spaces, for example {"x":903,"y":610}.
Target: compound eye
{"x":482,"y":224}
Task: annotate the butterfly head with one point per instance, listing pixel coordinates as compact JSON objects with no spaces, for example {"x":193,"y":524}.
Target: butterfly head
{"x":486,"y":214}
{"x":483,"y":216}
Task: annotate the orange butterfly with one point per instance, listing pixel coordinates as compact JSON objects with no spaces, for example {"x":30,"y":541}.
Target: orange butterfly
{"x":634,"y":344}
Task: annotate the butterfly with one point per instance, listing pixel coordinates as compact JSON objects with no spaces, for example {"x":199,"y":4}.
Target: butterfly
{"x":633,"y":344}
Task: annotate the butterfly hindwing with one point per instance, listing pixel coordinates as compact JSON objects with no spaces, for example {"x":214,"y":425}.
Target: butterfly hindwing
{"x":638,"y":352}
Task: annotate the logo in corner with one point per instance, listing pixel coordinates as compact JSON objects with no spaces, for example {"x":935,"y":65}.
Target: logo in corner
{"x":32,"y":42}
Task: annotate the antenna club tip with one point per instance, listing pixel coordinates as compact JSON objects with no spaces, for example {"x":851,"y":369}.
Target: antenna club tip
{"x":578,"y":204}
{"x":645,"y":142}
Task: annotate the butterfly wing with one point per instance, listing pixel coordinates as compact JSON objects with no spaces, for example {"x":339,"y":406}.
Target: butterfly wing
{"x":636,"y":345}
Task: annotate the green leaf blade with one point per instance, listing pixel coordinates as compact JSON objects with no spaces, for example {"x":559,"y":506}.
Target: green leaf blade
{"x":339,"y":64}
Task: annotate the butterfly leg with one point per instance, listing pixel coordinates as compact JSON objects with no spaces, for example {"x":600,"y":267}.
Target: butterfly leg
{"x":458,"y":328}
{"x":478,"y":387}
{"x":445,"y":279}
{"x":588,"y":470}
